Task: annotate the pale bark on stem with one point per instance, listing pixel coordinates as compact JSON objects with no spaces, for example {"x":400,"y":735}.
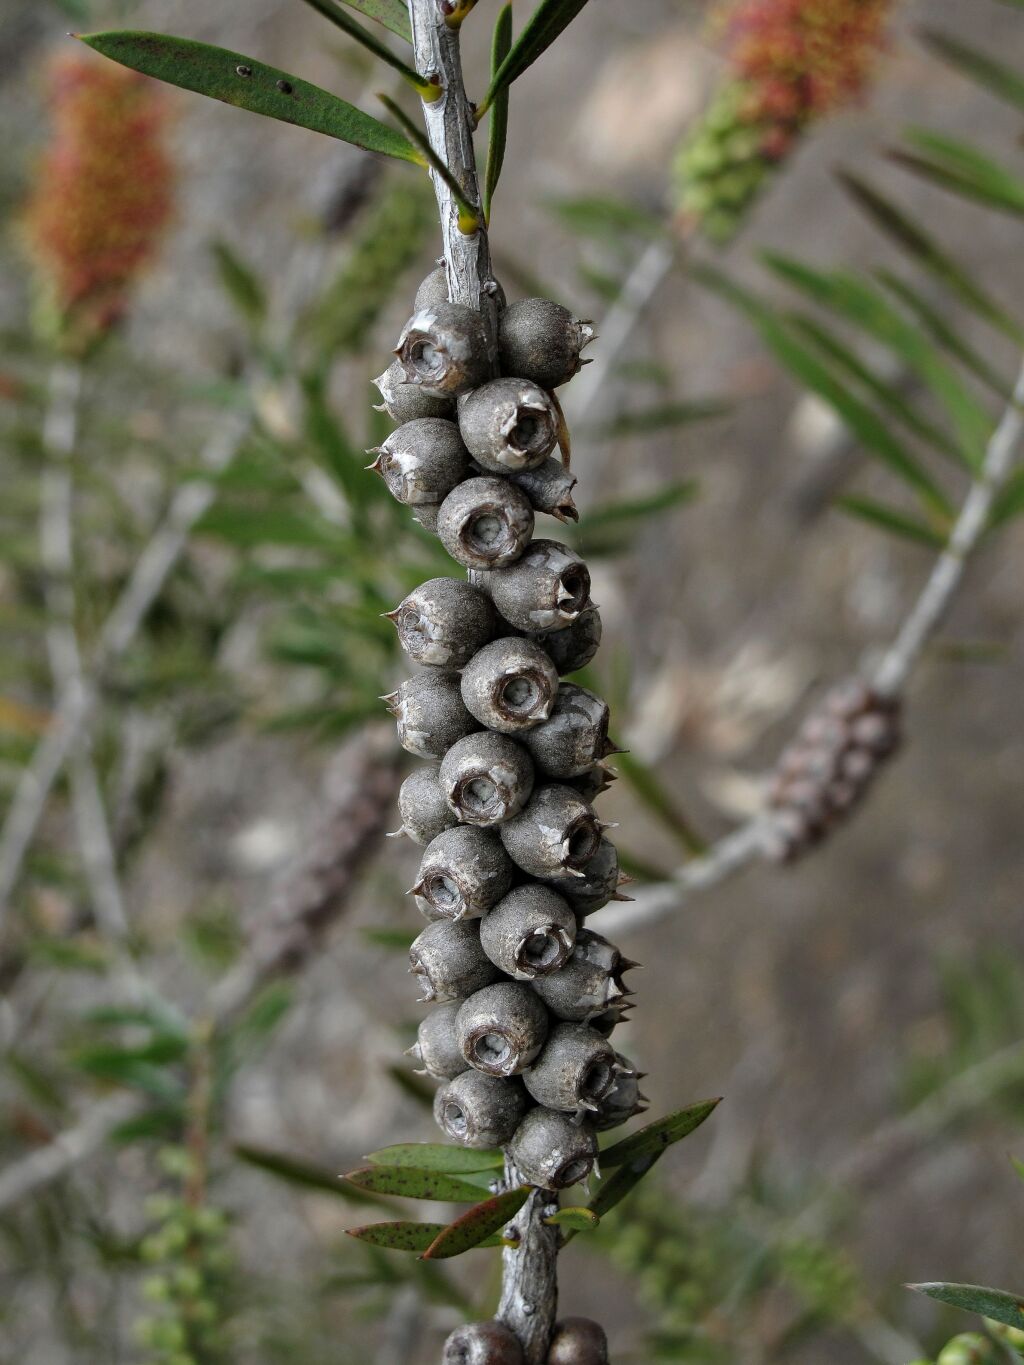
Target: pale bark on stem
{"x":529,"y":1297}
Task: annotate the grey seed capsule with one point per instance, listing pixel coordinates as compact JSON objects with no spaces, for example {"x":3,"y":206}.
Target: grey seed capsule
{"x":542,"y":340}
{"x":624,"y":1100}
{"x":443,"y":349}
{"x":508,"y":425}
{"x":529,"y":933}
{"x":574,"y":1072}
{"x":578,"y":1341}
{"x":485,"y":523}
{"x":510,"y":685}
{"x":422,"y":461}
{"x":486,"y":778}
{"x":589,"y":984}
{"x":599,"y":884}
{"x":576,"y":645}
{"x":552,"y":1152}
{"x":480,"y":1111}
{"x":574,"y":737}
{"x":433,"y":289}
{"x":483,"y":1343}
{"x":555,"y":836}
{"x":430,"y":713}
{"x":594,"y":782}
{"x":404,"y":402}
{"x":448,"y":959}
{"x":546,"y":589}
{"x":421,"y":804}
{"x":444,"y":622}
{"x":549,"y":488}
{"x":436,"y":1048}
{"x":426,"y":513}
{"x":463,"y":872}
{"x":501,"y":1028}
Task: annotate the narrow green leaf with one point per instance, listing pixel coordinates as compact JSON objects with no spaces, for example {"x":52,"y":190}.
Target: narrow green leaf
{"x":546,"y":23}
{"x":392,"y":14}
{"x":1001,"y":81}
{"x":973,"y":1298}
{"x":961,"y":169}
{"x":469,"y":215}
{"x":331,"y":10}
{"x":663,"y":417}
{"x":296,"y":1171}
{"x":409,"y":1183}
{"x":474,"y":1226}
{"x":240,"y":283}
{"x":248,"y":84}
{"x":395,"y":940}
{"x":613,"y":1190}
{"x":890,"y":519}
{"x":657,"y":1136}
{"x":634,"y":509}
{"x":498,"y":130}
{"x":574,"y":1219}
{"x":433,"y":1156}
{"x":1010,"y":502}
{"x":862,"y":421}
{"x":398,"y":1236}
{"x":912,"y":238}
{"x":648,"y":787}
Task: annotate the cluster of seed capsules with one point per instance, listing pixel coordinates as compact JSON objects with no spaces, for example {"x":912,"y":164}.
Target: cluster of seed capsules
{"x":514,"y":856}
{"x":825,"y":773}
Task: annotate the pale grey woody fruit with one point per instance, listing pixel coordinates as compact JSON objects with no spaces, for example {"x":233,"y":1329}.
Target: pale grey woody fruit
{"x":486,"y":778}
{"x":443,"y":622}
{"x":483,"y":1343}
{"x":578,"y":1341}
{"x":433,"y":288}
{"x":576,"y":1070}
{"x":552,"y":1152}
{"x":480,"y":1111}
{"x":508,"y":425}
{"x":422,"y":461}
{"x":555,"y":836}
{"x":576,"y":645}
{"x":510,"y":685}
{"x":404,"y":402}
{"x":575,"y":735}
{"x":424,"y":811}
{"x":463,"y":872}
{"x":529,"y":933}
{"x":485,"y":523}
{"x":549,"y":488}
{"x":443,"y":349}
{"x":590,"y":983}
{"x":501,"y":1028}
{"x":449,"y":961}
{"x":436,"y":1047}
{"x":430,"y":713}
{"x":545,"y":590}
{"x":624,"y":1100}
{"x":542,"y":341}
{"x":599,"y":884}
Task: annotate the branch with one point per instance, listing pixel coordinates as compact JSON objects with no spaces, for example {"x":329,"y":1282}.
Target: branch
{"x":888,"y":678}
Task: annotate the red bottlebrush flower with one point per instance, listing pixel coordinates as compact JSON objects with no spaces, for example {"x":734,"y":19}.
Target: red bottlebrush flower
{"x":102,"y":196}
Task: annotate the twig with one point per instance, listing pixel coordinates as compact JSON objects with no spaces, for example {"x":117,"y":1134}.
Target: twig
{"x":889,"y":676}
{"x":67,"y":1150}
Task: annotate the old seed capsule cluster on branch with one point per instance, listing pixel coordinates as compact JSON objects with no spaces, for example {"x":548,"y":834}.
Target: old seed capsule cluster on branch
{"x":514,"y":854}
{"x":824,"y":774}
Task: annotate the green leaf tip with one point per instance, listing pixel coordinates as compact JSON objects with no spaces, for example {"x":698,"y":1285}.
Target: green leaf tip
{"x":996,"y":1304}
{"x":664,"y":1132}
{"x":236,"y":79}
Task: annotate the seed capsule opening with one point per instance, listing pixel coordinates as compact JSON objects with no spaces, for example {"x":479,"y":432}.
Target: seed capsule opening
{"x":597,"y":1080}
{"x":543,"y":951}
{"x":492,"y":1050}
{"x":573,"y":590}
{"x":582,"y":842}
{"x":455,"y":1120}
{"x":443,"y":893}
{"x":572,"y":1172}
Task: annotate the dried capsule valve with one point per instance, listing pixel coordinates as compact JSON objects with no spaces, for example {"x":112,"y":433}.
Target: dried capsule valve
{"x":487,"y":778}
{"x":443,"y":349}
{"x":510,"y":685}
{"x":463,"y":872}
{"x":555,"y":836}
{"x":502,"y":1028}
{"x":508,"y":425}
{"x":485,"y":523}
{"x":529,"y":933}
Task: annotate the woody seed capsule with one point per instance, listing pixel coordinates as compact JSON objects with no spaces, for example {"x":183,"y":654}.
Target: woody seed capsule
{"x":623,"y":1100}
{"x":549,"y":488}
{"x":444,"y":622}
{"x":485,"y":523}
{"x":421,"y":804}
{"x":552,"y":1152}
{"x":430,"y":713}
{"x":555,"y":836}
{"x":593,"y":783}
{"x":574,"y":1072}
{"x":483,"y":1343}
{"x":405,"y":402}
{"x":422,"y":461}
{"x":480,"y":1111}
{"x":578,"y":1341}
{"x":575,"y":735}
{"x":589,"y":984}
{"x":486,"y":778}
{"x":545,"y":590}
{"x":426,"y":514}
{"x":436,"y":1048}
{"x":463,"y":872}
{"x":443,"y":348}
{"x":448,"y":959}
{"x":542,"y":341}
{"x":510,"y":685}
{"x":432,"y":289}
{"x":508,"y":425}
{"x":529,"y":933}
{"x":599,"y":884}
{"x":501,"y":1028}
{"x":576,"y":645}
